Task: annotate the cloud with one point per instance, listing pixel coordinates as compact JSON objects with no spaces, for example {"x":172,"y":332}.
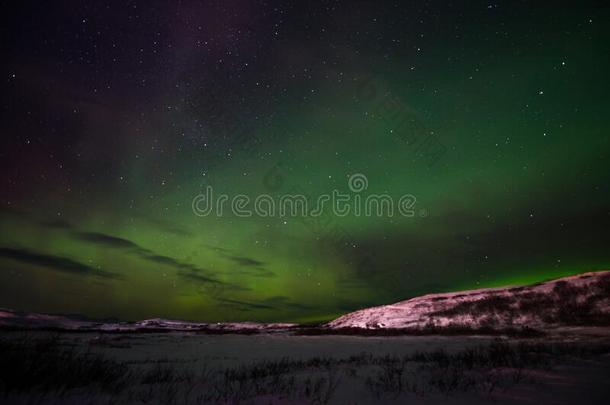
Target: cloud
{"x":283,"y":301}
{"x":228,"y":286}
{"x":187,"y":271}
{"x":170,"y":261}
{"x":244,"y":304}
{"x":245,"y":261}
{"x":211,"y":287}
{"x":254,"y":272}
{"x":196,"y":277}
{"x":114,"y":242}
{"x":166,"y":226}
{"x":110,"y":241}
{"x":57,"y":263}
{"x":239,"y":259}
{"x":271,"y":303}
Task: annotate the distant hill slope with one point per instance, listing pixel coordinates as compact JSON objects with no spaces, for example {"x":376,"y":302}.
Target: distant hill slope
{"x":10,"y":319}
{"x":576,"y":300}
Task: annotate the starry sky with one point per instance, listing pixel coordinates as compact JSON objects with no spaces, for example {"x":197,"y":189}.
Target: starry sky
{"x":115,"y":115}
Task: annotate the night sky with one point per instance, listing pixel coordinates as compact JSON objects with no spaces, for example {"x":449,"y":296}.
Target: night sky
{"x":115,"y":115}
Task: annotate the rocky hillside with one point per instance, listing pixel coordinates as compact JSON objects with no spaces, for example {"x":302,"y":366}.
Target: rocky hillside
{"x":576,"y":300}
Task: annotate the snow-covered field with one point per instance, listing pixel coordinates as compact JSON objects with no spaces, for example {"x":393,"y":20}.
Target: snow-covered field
{"x":192,"y":350}
{"x":180,"y":367}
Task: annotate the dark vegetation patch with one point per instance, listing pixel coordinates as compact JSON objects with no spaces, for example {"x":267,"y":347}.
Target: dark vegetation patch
{"x":449,"y":330}
{"x":492,"y":304}
{"x":61,"y":373}
{"x":29,"y":364}
{"x":566,"y":304}
{"x":482,"y":369}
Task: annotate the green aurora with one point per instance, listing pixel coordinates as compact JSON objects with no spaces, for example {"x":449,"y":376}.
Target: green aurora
{"x":106,"y":140}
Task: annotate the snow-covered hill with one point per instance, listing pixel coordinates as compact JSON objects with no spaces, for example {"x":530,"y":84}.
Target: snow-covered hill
{"x":576,"y":300}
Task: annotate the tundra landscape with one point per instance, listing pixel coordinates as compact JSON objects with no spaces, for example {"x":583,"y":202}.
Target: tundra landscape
{"x":305,"y":202}
{"x":525,"y":344}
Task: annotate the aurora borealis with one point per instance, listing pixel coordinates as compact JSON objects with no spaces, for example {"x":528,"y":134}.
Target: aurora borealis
{"x":115,"y":116}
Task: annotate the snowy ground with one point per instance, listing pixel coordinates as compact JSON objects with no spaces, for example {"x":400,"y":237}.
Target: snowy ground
{"x":179,"y":367}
